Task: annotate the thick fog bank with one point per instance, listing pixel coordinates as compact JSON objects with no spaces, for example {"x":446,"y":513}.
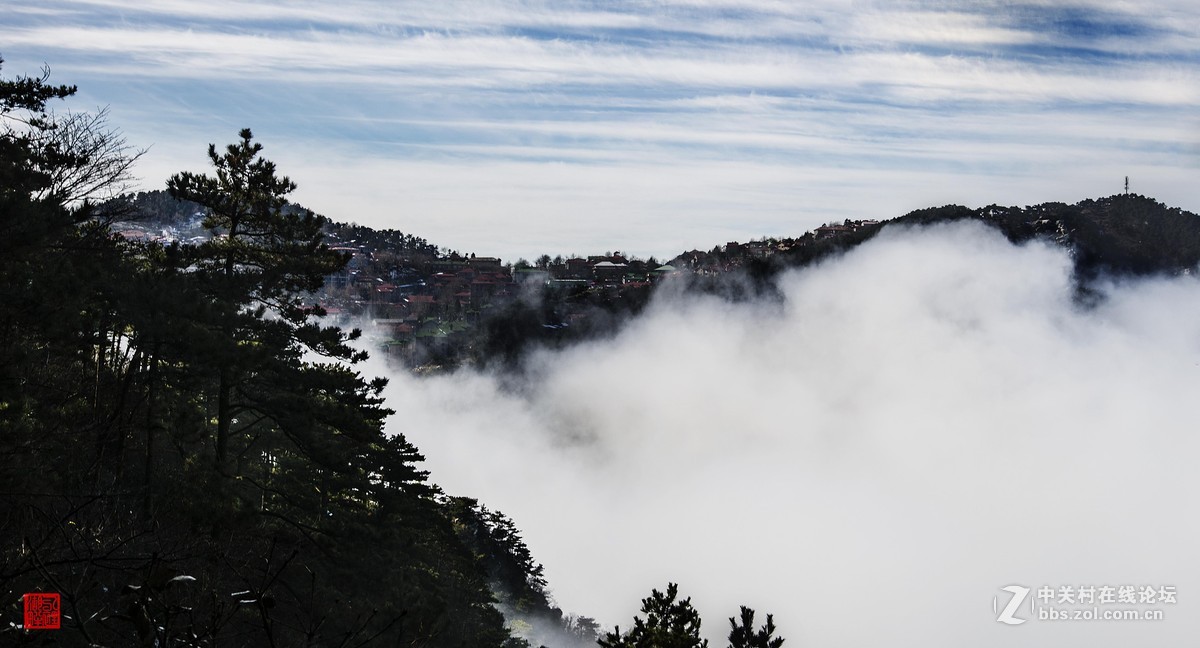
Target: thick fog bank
{"x":918,"y":424}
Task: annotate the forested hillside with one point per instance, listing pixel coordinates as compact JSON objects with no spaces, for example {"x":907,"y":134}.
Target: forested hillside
{"x":186,"y":455}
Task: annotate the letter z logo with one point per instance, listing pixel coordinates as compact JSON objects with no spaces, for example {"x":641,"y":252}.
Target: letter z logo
{"x":1018,"y":597}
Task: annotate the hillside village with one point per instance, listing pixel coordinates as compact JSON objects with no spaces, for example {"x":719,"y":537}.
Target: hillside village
{"x":427,"y":307}
{"x":423,"y":305}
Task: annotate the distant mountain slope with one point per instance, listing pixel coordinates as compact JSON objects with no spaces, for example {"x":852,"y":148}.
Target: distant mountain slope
{"x":1121,"y":234}
{"x":1125,"y":234}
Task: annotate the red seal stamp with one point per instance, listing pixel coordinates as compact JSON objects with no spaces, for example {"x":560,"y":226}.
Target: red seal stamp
{"x":43,"y":611}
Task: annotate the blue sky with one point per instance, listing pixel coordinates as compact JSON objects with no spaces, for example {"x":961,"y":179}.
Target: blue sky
{"x":520,"y":127}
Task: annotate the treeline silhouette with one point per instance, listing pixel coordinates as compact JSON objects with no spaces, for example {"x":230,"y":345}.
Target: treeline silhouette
{"x":186,"y":456}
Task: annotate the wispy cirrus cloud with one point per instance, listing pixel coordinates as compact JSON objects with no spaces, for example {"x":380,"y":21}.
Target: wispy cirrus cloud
{"x":869,"y":90}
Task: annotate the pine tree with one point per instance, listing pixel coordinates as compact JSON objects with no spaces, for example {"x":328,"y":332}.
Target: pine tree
{"x":263,"y":258}
{"x":668,"y":624}
{"x":56,"y":299}
{"x":743,"y":635}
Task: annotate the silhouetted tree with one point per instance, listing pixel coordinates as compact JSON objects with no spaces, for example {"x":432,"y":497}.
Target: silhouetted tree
{"x":743,"y":635}
{"x":668,"y":624}
{"x":254,"y":273}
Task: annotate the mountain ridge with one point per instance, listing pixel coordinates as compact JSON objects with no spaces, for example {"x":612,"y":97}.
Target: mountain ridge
{"x":433,"y":307}
{"x":1122,"y":233}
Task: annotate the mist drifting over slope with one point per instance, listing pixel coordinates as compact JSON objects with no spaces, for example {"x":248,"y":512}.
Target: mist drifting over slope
{"x":917,"y":424}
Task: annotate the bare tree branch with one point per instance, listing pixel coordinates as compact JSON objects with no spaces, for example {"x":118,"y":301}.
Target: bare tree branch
{"x":89,"y":160}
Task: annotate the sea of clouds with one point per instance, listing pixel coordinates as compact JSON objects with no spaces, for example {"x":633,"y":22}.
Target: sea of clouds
{"x":912,"y":427}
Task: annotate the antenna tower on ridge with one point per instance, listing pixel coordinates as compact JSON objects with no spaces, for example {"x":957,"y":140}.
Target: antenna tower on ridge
{"x":1126,"y":185}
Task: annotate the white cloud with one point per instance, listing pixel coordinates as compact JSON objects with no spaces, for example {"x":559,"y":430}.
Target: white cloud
{"x":931,"y":27}
{"x":920,"y":423}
